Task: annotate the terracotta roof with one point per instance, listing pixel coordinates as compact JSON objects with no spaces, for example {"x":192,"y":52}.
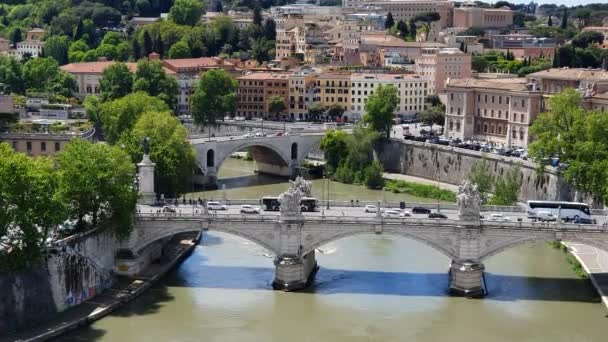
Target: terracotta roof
{"x":512,"y":84}
{"x":333,"y":76}
{"x":386,"y":77}
{"x":202,"y":62}
{"x":263,"y":76}
{"x":572,"y":74}
{"x":99,"y":67}
{"x":387,"y":40}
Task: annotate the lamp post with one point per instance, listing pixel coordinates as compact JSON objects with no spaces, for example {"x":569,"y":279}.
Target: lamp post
{"x":328,"y":191}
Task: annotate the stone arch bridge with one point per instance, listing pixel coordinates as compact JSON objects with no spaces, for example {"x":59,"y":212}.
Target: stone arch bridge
{"x":278,"y":155}
{"x":293,"y":239}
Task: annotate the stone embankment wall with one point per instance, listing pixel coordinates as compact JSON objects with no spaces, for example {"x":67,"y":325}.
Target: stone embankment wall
{"x":77,"y":269}
{"x":452,"y":165}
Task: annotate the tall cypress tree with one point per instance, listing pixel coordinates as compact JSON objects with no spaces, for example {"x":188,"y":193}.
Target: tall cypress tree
{"x":389,"y":22}
{"x":147,"y":43}
{"x":413,"y":29}
{"x":79,"y":31}
{"x":564,"y":23}
{"x":550,"y":21}
{"x":136,"y":49}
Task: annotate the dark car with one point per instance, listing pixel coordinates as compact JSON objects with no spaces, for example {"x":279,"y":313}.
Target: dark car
{"x":421,"y":210}
{"x":437,"y":216}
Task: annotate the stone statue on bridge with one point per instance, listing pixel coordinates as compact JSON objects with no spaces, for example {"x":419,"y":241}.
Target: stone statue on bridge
{"x":303,"y":185}
{"x":469,"y":201}
{"x":290,"y":199}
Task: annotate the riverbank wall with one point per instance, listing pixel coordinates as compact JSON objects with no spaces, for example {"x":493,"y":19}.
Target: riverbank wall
{"x":76,"y":269}
{"x":595,"y":264}
{"x":452,"y":165}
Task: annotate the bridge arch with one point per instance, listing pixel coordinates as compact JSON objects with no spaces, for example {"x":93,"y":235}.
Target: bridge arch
{"x":598,"y":243}
{"x":210,"y":158}
{"x":294,"y":151}
{"x":272,"y":152}
{"x":445,"y":250}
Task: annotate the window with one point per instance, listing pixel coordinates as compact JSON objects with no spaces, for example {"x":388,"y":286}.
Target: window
{"x":458,"y":126}
{"x":492,"y":98}
{"x":485,"y":128}
{"x":14,"y":145}
{"x":42,"y":146}
{"x":514,"y":133}
{"x":522,"y":118}
{"x":29,"y":145}
{"x":523,"y":103}
{"x":507,"y":99}
{"x":499,"y":113}
{"x":500,"y":100}
{"x":452,"y":96}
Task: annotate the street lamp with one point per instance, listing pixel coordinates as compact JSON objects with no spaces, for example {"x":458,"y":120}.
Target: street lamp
{"x":328,"y":191}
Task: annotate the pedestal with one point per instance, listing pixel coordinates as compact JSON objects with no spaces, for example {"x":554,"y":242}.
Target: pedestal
{"x":146,"y":181}
{"x":466,"y":279}
{"x":293,"y":272}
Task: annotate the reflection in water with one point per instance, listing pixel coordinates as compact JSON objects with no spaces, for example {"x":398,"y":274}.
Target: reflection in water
{"x":369,"y":288}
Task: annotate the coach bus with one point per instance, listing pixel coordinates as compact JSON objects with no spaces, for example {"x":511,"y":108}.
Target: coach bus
{"x":273,"y":204}
{"x":568,"y":211}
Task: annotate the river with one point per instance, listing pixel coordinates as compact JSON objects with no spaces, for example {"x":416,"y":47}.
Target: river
{"x":369,"y":288}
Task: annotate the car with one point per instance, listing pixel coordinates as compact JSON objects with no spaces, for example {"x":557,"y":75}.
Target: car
{"x":436,"y":215}
{"x":391,"y":213}
{"x":169,"y":209}
{"x":259,"y":134}
{"x":499,"y":217}
{"x":420,"y":210}
{"x":545,"y":216}
{"x":249,"y":209}
{"x":370,"y":208}
{"x":216,"y":206}
{"x":248,"y":135}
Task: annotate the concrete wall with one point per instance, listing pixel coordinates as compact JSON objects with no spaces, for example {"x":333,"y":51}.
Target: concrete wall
{"x":452,"y":165}
{"x":76,"y":270}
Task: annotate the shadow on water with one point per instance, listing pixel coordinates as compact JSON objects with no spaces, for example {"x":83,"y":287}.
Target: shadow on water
{"x":336,"y":281}
{"x":87,"y":333}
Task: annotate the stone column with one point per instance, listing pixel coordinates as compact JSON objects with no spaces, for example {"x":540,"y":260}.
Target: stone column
{"x":294,"y":272}
{"x":146,"y":180}
{"x":466,"y":278}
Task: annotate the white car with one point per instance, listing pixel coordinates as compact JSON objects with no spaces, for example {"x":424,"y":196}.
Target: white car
{"x":249,"y":209}
{"x":499,"y":217}
{"x":545,"y":216}
{"x":248,"y":135}
{"x":391,"y":213}
{"x":259,"y":134}
{"x":169,"y":209}
{"x":370,"y":208}
{"x":216,"y":206}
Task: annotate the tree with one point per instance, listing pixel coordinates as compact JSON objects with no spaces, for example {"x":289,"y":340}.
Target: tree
{"x":15,"y":36}
{"x":179,"y":50}
{"x":11,"y":75}
{"x":412,"y":29}
{"x":564,"y":23}
{"x":389,"y":22}
{"x":335,"y":148}
{"x":426,"y":19}
{"x":116,"y":81}
{"x":257,"y":16}
{"x":148,"y":48}
{"x":434,"y":115}
{"x":583,"y":15}
{"x":96,"y":185}
{"x":584,"y":39}
{"x":549,"y":21}
{"x":186,"y":12}
{"x":481,"y":175}
{"x":151,"y":78}
{"x":270,"y":29}
{"x":499,"y":4}
{"x":261,"y":49}
{"x":108,"y":51}
{"x":56,"y":47}
{"x":506,"y":188}
{"x":380,"y":109}
{"x":79,"y":30}
{"x":39,"y":73}
{"x":335,"y":111}
{"x":29,"y":208}
{"x":112,"y":38}
{"x":169,"y":149}
{"x":118,"y":116}
{"x":473,"y":31}
{"x":565,"y":56}
{"x":214,"y":97}
{"x":402,"y":29}
{"x":315,"y":111}
{"x":276,"y":105}
{"x":373,"y":175}
{"x":136,"y":49}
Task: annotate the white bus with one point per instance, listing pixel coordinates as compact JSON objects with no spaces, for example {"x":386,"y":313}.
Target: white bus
{"x":568,"y":211}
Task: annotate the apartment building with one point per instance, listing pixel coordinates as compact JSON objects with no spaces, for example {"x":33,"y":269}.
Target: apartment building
{"x":469,"y":15}
{"x":412,"y":91}
{"x":333,"y":88}
{"x":495,"y":110}
{"x":407,"y":9}
{"x":255,"y":90}
{"x":441,"y":64}
{"x":301,"y":94}
{"x":555,"y":80}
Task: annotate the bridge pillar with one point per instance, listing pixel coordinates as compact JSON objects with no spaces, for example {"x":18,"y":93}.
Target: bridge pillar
{"x":466,"y":278}
{"x":294,"y":272}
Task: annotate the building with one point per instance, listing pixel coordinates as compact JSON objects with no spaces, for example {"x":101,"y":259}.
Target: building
{"x":333,"y":88}
{"x":32,"y":48}
{"x":255,"y":90}
{"x":555,"y":80}
{"x":5,"y":45}
{"x":469,"y":15}
{"x":601,"y":29}
{"x":88,"y":74}
{"x":441,"y":64}
{"x":494,"y":110}
{"x":412,"y":92}
{"x":597,"y":102}
{"x":35,"y":34}
{"x":301,"y":94}
{"x":7,"y":105}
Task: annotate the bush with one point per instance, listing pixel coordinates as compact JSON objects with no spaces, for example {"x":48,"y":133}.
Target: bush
{"x":344,"y":174}
{"x":373,"y":176}
{"x":420,"y":190}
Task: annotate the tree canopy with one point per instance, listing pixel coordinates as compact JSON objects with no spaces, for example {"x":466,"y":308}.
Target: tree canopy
{"x":380,"y":109}
{"x":151,"y":78}
{"x":426,"y":19}
{"x":186,"y":12}
{"x":214,"y":97}
{"x":116,"y":82}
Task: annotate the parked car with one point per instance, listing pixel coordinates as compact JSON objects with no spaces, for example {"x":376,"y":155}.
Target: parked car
{"x":248,"y":135}
{"x":169,"y":209}
{"x":249,"y":209}
{"x":499,"y":217}
{"x":436,"y":215}
{"x":370,"y":208}
{"x":390,"y":213}
{"x":421,"y":210}
{"x":216,"y":206}
{"x":545,"y":216}
{"x":259,"y":134}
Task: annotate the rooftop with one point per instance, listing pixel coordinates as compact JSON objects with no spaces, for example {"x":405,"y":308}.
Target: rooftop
{"x":572,"y":74}
{"x":385,"y":77}
{"x":263,"y":76}
{"x":99,"y":67}
{"x":512,"y":84}
{"x":202,"y":62}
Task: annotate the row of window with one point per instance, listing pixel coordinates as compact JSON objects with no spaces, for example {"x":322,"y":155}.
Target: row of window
{"x":28,"y":146}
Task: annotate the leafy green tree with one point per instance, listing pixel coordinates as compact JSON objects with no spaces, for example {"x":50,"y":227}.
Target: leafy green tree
{"x":402,"y":29}
{"x":412,"y":29}
{"x":373,"y":176}
{"x":276,"y":105}
{"x":473,"y":31}
{"x":257,"y":16}
{"x":261,"y":49}
{"x":96,"y":183}
{"x":112,"y":38}
{"x":389,"y":22}
{"x":108,"y":51}
{"x":433,"y":115}
{"x":186,"y":12}
{"x":169,"y":149}
{"x":583,"y":15}
{"x":270,"y":29}
{"x":151,"y":78}
{"x":315,"y":111}
{"x":148,"y":47}
{"x":44,"y":75}
{"x":123,"y":51}
{"x":11,"y":75}
{"x":335,"y":147}
{"x":77,"y":50}
{"x":116,"y":81}
{"x":426,"y":19}
{"x":380,"y":109}
{"x":119,"y":116}
{"x":564,"y":22}
{"x":214,"y":97}
{"x":584,"y":39}
{"x":136,"y":49}
{"x":15,"y":35}
{"x":481,"y":175}
{"x":506,"y":188}
{"x":29,"y":208}
{"x":56,"y":47}
{"x":550,"y":21}
{"x":179,"y":50}
{"x":335,"y":111}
